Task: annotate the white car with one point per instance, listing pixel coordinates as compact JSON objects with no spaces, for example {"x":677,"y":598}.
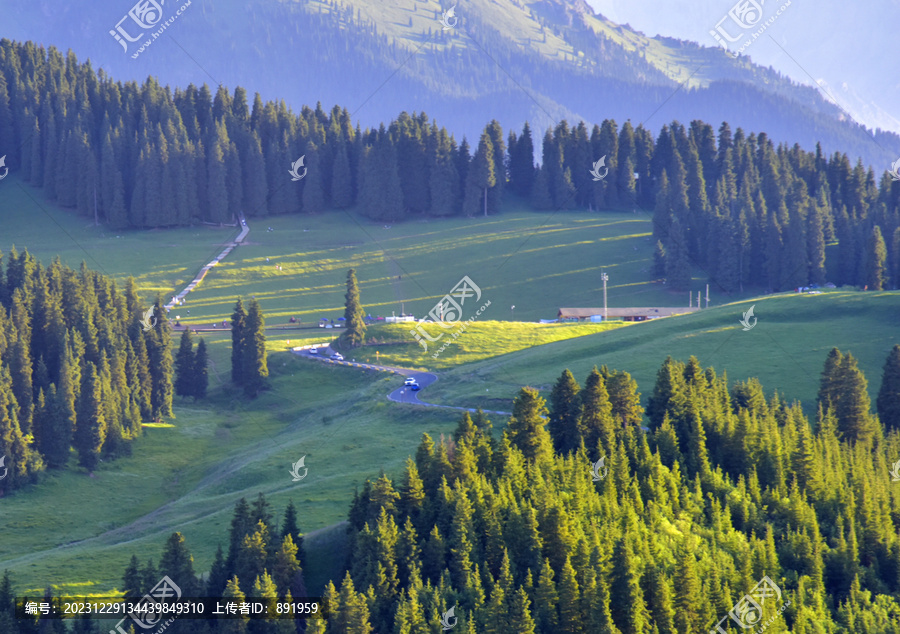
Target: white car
{"x":409,"y":381}
{"x":337,"y":356}
{"x":314,"y":351}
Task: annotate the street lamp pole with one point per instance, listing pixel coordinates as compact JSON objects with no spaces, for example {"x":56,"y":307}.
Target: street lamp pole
{"x":512,"y":312}
{"x":604,"y":277}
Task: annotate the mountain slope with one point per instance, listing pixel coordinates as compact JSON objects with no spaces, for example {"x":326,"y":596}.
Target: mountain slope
{"x":540,"y":60}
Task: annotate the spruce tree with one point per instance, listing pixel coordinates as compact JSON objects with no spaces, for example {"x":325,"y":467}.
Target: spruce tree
{"x":354,"y":317}
{"x":184,"y":365}
{"x":888,"y":402}
{"x":876,"y":258}
{"x":521,"y":163}
{"x":200,"y":378}
{"x":565,"y":413}
{"x":853,"y":407}
{"x":159,"y":347}
{"x":178,"y":564}
{"x":678,"y":264}
{"x":480,"y":178}
{"x":341,"y":180}
{"x":253,"y":351}
{"x":238,"y":325}
{"x":829,"y":386}
{"x":90,"y":430}
{"x":313,"y":184}
{"x":526,"y":426}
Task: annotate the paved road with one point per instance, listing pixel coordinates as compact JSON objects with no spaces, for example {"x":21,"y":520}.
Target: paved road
{"x":400,"y":395}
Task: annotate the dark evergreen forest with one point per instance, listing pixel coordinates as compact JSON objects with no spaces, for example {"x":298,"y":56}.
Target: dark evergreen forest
{"x":733,"y":204}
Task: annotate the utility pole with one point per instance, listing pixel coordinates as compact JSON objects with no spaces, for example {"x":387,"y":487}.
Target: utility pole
{"x":690,"y":299}
{"x":707,"y":295}
{"x":698,"y":299}
{"x":604,"y":277}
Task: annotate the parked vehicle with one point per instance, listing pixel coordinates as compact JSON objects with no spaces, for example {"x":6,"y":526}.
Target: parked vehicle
{"x":337,"y":356}
{"x":409,"y":381}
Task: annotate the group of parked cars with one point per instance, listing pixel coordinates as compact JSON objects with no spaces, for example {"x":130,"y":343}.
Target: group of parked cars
{"x":412,"y":384}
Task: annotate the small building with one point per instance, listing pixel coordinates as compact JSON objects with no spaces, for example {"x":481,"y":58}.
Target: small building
{"x":626,"y":314}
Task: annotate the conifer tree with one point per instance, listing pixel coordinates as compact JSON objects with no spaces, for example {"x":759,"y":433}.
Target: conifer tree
{"x":627,"y":605}
{"x":184,"y":365}
{"x":218,"y":575}
{"x":853,"y":407}
{"x":888,"y":402}
{"x":678,"y":264}
{"x":876,"y":258}
{"x":354,"y":317}
{"x":90,"y":430}
{"x":688,"y":592}
{"x":178,"y":564}
{"x":160,"y":352}
{"x":521,"y":163}
{"x":481,"y":176}
{"x":237,"y":625}
{"x":238,"y":325}
{"x":131,"y":580}
{"x":597,"y":423}
{"x":541,"y":198}
{"x":342,"y":180}
{"x":313,"y":184}
{"x":526,"y":426}
{"x":253,"y":353}
{"x":565,"y":413}
{"x":200,"y":378}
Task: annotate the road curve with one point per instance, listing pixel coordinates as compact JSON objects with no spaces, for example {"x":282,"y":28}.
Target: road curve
{"x":400,"y":395}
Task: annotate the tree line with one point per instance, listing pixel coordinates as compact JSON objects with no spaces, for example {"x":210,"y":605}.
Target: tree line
{"x":82,"y":365}
{"x":730,"y":203}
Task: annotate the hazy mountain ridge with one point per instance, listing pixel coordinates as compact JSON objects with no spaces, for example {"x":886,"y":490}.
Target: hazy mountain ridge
{"x":540,"y":60}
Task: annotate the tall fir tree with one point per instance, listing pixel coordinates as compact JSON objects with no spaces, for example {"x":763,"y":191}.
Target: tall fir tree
{"x":253,"y":351}
{"x":354,"y":316}
{"x":238,"y":325}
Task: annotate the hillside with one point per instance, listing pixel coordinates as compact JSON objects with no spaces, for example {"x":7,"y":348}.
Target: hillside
{"x":537,"y":60}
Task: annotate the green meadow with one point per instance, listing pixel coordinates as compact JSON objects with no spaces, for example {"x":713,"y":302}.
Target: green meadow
{"x":77,"y":532}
